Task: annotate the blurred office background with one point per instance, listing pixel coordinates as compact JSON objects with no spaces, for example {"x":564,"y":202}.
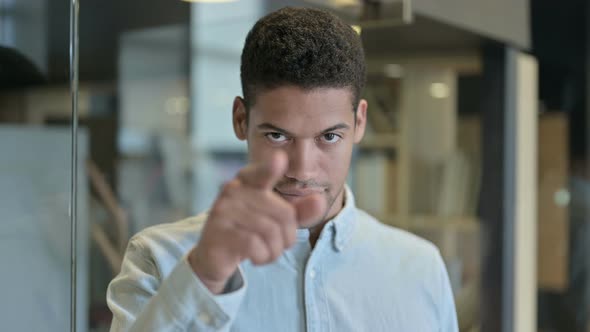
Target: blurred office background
{"x":477,"y":140}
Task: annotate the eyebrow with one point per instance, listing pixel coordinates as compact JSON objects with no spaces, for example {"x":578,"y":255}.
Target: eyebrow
{"x":269,"y":126}
{"x":336,"y":127}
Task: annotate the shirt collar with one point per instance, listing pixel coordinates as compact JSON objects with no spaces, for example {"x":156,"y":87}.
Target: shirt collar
{"x":340,"y":228}
{"x":342,"y":225}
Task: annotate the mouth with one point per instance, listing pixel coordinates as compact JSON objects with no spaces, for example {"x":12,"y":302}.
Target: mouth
{"x":292,"y":194}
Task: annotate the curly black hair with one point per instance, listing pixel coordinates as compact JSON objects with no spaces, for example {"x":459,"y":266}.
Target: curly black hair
{"x":305,"y":47}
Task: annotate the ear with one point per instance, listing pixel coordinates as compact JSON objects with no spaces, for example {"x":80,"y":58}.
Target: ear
{"x":361,"y":121}
{"x":240,"y":118}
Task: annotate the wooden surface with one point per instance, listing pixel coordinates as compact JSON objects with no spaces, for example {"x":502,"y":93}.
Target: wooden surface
{"x":553,"y":219}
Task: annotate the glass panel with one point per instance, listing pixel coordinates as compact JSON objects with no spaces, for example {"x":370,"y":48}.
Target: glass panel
{"x":135,"y":107}
{"x":564,"y":176}
{"x":423,"y":143}
{"x":35,"y":170}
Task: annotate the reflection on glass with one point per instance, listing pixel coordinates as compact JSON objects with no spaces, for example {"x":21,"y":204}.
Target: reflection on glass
{"x":35,"y":177}
{"x":423,"y":145}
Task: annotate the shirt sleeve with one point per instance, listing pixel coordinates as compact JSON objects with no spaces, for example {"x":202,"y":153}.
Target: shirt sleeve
{"x":446,"y":307}
{"x":141,"y":300}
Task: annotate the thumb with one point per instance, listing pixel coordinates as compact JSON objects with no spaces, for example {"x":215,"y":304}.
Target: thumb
{"x":310,"y":210}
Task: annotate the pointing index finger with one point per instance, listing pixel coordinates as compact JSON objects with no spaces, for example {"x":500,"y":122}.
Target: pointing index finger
{"x":264,"y":174}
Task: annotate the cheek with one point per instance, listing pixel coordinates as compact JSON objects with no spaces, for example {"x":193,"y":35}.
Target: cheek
{"x":335,"y":164}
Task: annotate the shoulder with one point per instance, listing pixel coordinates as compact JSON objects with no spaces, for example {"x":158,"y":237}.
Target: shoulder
{"x":406,"y":255}
{"x":394,"y":240}
{"x":402,"y":255}
{"x":169,"y":240}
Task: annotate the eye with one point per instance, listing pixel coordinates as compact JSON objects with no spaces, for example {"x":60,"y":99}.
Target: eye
{"x":331,"y":138}
{"x":276,"y":137}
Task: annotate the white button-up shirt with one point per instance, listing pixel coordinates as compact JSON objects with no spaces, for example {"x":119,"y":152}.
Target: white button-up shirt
{"x":361,"y":275}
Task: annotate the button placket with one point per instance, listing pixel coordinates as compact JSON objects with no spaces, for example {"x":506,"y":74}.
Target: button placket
{"x":315,"y":302}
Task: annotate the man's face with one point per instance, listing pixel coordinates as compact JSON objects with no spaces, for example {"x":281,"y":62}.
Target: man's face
{"x":316,"y":129}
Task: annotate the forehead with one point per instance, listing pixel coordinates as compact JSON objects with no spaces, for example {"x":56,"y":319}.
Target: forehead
{"x":296,"y":108}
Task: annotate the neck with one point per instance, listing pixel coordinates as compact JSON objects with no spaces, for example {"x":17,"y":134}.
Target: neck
{"x":314,"y":233}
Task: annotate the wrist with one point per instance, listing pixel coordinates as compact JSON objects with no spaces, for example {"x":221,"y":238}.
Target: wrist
{"x":196,"y":262}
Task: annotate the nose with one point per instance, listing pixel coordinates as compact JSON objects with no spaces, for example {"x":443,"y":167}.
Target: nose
{"x":302,"y":161}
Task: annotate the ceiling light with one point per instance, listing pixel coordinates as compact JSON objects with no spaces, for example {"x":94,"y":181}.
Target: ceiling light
{"x":393,"y":70}
{"x":344,"y":3}
{"x":209,"y":1}
{"x":562,"y":197}
{"x":439,"y":90}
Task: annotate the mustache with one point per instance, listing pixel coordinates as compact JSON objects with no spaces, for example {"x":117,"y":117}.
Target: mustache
{"x":294,"y":183}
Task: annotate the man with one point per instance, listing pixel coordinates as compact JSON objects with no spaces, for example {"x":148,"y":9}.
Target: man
{"x":283,"y":247}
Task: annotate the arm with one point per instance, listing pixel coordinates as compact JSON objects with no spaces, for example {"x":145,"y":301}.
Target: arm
{"x":142,"y":300}
{"x":204,"y":290}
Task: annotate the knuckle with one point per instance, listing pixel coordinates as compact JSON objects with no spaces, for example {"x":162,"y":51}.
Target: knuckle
{"x":290,"y":213}
{"x":277,"y":252}
{"x":229,"y":187}
{"x":282,"y":208}
{"x":250,"y":244}
{"x":218,"y":207}
{"x":242,"y":171}
{"x":259,"y":257}
{"x":258,"y":260}
{"x":272,"y":232}
{"x":273,"y":256}
{"x":286,"y":216}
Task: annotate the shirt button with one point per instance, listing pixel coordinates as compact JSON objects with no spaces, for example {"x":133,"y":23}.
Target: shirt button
{"x":312,"y":274}
{"x":205,"y":318}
